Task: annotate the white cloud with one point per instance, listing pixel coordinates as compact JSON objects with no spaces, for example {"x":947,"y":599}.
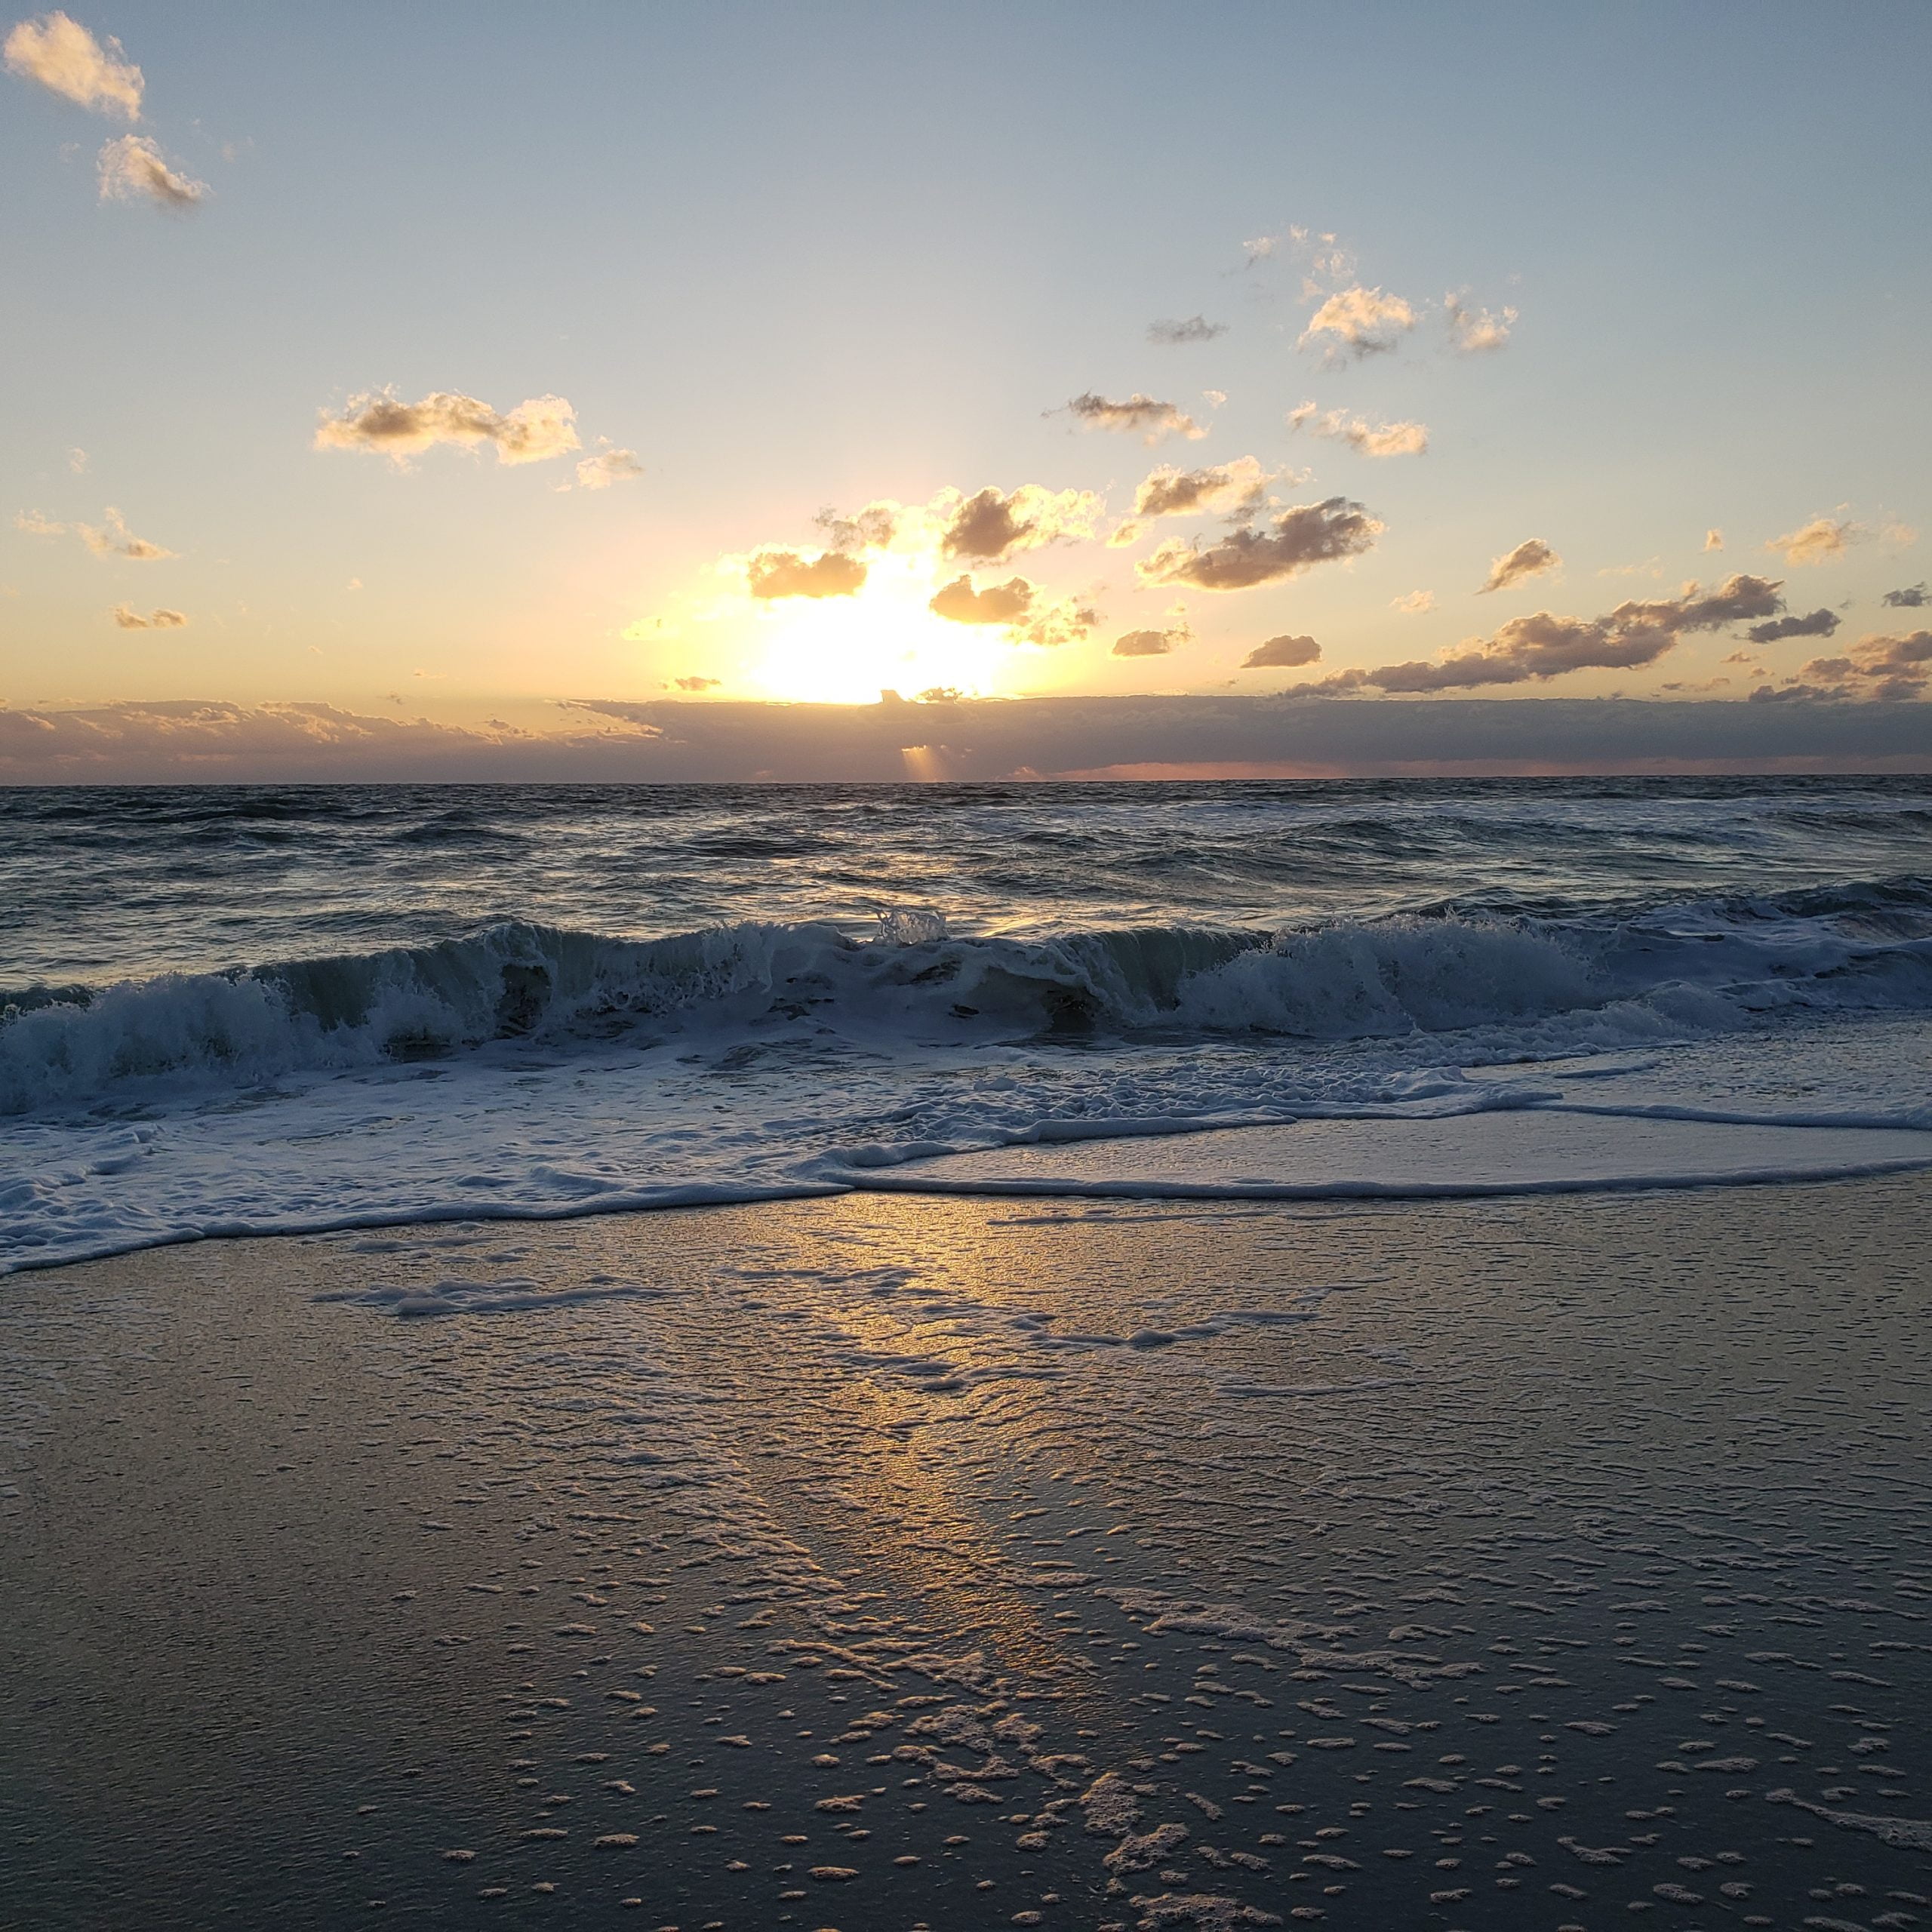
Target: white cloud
{"x":1823,"y":540}
{"x":1365,"y":438}
{"x":1714,"y":540}
{"x":65,"y":59}
{"x":1415,"y":604}
{"x":533,"y":432}
{"x":134,"y":169}
{"x":1359,"y":321}
{"x":155,"y":621}
{"x":606,"y":467}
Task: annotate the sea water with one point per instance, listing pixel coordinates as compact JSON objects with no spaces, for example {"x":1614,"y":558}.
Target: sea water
{"x":230,"y":1009}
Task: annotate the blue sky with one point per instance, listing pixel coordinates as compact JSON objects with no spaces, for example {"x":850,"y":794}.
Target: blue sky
{"x":801,"y":257}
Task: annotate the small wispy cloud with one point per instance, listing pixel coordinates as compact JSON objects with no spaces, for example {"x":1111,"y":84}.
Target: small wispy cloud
{"x":1365,"y":438}
{"x":1913,"y":597}
{"x":1476,"y":331}
{"x":1714,"y":540}
{"x":1529,"y":558}
{"x":134,"y":169}
{"x":697,"y":683}
{"x":533,"y":432}
{"x":62,"y":56}
{"x":608,"y":467}
{"x":1415,"y":604}
{"x":1141,"y":416}
{"x":130,"y":619}
{"x":1167,"y":334}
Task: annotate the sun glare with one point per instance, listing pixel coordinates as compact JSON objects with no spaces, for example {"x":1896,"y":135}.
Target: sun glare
{"x":847,"y":650}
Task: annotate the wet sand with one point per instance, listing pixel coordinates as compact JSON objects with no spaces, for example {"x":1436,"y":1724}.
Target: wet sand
{"x":887,"y":1561}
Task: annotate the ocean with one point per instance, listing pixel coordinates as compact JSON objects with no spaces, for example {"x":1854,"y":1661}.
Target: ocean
{"x":246,"y":1009}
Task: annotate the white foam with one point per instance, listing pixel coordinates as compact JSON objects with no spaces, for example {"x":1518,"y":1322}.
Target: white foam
{"x":1533,"y":1151}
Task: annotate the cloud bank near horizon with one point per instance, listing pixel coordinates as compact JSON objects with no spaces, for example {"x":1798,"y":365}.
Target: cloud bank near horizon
{"x":670,"y":741}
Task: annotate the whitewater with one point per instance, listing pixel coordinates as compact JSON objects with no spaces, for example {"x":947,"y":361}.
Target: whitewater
{"x":244,"y":1010}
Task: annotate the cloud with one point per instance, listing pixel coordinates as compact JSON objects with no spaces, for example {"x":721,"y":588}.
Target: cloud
{"x":1299,"y":538}
{"x":112,"y":538}
{"x":155,"y":621}
{"x":998,"y":604}
{"x":1068,"y":622}
{"x":1714,"y":540}
{"x":1823,"y":540}
{"x":606,"y":467}
{"x":1140,"y":416}
{"x":1152,"y":644}
{"x":77,"y":461}
{"x":1544,"y":645}
{"x":1819,"y":623}
{"x":785,"y":574}
{"x":134,"y":169}
{"x":1194,"y":329}
{"x":1913,"y":597}
{"x":1529,"y":558}
{"x":697,"y":683}
{"x":1366,"y":439}
{"x":671,"y":739}
{"x":1359,"y":321}
{"x":1225,"y":490}
{"x":533,"y":432}
{"x":36,"y":524}
{"x":1415,"y":604}
{"x":871,"y":528}
{"x":1281,"y":651}
{"x":1476,"y":331}
{"x":65,"y":59}
{"x":1879,"y":669}
{"x":989,"y":524}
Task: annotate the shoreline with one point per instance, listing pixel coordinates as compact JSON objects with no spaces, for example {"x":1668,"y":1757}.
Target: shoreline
{"x":1057,"y":1528}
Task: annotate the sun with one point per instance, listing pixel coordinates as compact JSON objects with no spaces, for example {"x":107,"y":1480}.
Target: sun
{"x":847,"y":650}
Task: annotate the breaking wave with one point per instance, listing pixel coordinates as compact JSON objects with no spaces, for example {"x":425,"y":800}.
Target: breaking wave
{"x":1673,"y":968}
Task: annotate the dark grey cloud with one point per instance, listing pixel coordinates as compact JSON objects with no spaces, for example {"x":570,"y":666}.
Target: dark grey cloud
{"x":1913,"y":597}
{"x":1814,"y":623}
{"x":1140,"y":416}
{"x":669,"y":740}
{"x":991,"y":523}
{"x":1222,"y":490}
{"x":785,"y":573}
{"x":1280,"y":652}
{"x":1888,"y":670}
{"x":1194,"y":328}
{"x":1308,"y":534}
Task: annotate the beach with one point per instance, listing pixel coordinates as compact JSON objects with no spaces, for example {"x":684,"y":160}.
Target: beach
{"x":891,"y":1561}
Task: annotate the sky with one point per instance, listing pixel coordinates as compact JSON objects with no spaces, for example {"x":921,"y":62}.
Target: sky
{"x":553,"y":377}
